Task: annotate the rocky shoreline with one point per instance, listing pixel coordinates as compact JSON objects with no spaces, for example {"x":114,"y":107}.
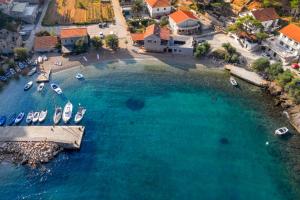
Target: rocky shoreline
{"x":291,"y":109}
{"x":32,"y":154}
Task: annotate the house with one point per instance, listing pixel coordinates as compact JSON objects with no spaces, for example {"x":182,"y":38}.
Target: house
{"x":184,"y":23}
{"x":247,"y":40}
{"x":69,"y":36}
{"x":158,"y":8}
{"x":268,"y":17}
{"x":24,"y":11}
{"x":9,"y":39}
{"x":286,"y":46}
{"x":45,"y":44}
{"x":157,"y":39}
{"x":5,"y":6}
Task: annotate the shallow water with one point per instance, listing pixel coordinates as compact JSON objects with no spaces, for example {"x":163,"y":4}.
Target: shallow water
{"x":157,"y":132}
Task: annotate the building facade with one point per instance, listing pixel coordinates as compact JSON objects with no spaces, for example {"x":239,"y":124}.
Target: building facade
{"x":9,"y":40}
{"x":158,"y":8}
{"x":184,"y":23}
{"x":69,"y":36}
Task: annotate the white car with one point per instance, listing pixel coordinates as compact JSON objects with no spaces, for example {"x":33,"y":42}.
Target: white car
{"x":101,"y":35}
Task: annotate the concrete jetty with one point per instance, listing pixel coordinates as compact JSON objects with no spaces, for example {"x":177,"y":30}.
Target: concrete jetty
{"x":246,"y":75}
{"x":66,"y":136}
{"x":44,"y":76}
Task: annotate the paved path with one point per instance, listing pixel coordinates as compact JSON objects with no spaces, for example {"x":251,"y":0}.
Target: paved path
{"x":67,"y":136}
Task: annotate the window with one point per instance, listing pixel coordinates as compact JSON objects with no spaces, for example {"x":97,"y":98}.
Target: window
{"x":149,"y":41}
{"x":281,"y":43}
{"x":165,"y":9}
{"x":157,"y":9}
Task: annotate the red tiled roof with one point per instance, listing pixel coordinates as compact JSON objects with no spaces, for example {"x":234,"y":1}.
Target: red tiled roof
{"x":73,"y":32}
{"x":265,"y":14}
{"x":163,"y":33}
{"x":137,"y":36}
{"x":5,"y":1}
{"x":181,"y":16}
{"x":45,"y":42}
{"x":292,"y":31}
{"x":158,"y":3}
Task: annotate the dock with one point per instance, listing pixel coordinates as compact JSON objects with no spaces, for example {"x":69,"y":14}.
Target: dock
{"x":68,"y":137}
{"x":246,"y":75}
{"x":44,"y":76}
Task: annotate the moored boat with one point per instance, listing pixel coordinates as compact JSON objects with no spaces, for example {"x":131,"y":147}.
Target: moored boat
{"x":19,"y":118}
{"x":12,"y":118}
{"x":43,"y":115}
{"x":56,"y":88}
{"x":79,"y":76}
{"x":2,"y":120}
{"x":67,"y":113}
{"x":35,"y":117}
{"x":233,"y":81}
{"x":29,"y":117}
{"x":57,"y":115}
{"x":40,"y":87}
{"x":28,"y":85}
{"x":80,"y":114}
{"x":32,"y":71}
{"x":281,"y":131}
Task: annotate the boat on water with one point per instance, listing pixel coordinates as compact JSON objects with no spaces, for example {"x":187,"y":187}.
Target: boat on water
{"x":29,"y":117}
{"x":43,"y":115}
{"x":35,"y":117}
{"x":2,"y":120}
{"x":281,"y":131}
{"x":56,"y":88}
{"x":67,"y":113}
{"x":80,"y":114}
{"x":79,"y":76}
{"x":28,"y":85}
{"x":57,"y":115}
{"x":233,"y":81}
{"x":19,"y":118}
{"x":32,"y":71}
{"x":40,"y":87}
{"x":12,"y":118}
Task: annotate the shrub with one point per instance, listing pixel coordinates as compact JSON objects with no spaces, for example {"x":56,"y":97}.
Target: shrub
{"x":202,"y":49}
{"x":274,"y":70}
{"x":112,"y":41}
{"x":285,"y":77}
{"x":21,"y":53}
{"x":97,"y":42}
{"x":219,"y":53}
{"x":261,"y":64}
{"x":42,"y":33}
{"x":164,"y":21}
{"x":80,"y":46}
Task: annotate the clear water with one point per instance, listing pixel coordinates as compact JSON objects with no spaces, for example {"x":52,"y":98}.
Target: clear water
{"x":158,"y":132}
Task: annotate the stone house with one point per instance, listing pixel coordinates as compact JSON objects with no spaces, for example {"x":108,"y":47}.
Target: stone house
{"x":9,"y":39}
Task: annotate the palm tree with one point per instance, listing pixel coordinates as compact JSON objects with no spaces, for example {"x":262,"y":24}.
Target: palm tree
{"x":137,"y":7}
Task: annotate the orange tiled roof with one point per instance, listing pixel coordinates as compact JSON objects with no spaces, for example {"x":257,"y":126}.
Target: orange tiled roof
{"x":163,"y":33}
{"x":158,"y":3}
{"x":265,"y":14}
{"x":45,"y":42}
{"x":137,"y":36}
{"x":292,"y":31}
{"x":73,"y":32}
{"x":181,"y":16}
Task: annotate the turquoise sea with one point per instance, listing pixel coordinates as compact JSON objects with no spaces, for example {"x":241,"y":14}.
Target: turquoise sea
{"x":157,"y":131}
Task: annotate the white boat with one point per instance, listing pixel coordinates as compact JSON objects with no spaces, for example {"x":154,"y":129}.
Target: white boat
{"x":19,"y":118}
{"x":40,"y":87}
{"x":28,"y":85}
{"x":67,"y":114}
{"x":35,"y":117}
{"x":281,"y":131}
{"x":57,"y":115}
{"x":79,"y":76}
{"x":233,"y":81}
{"x":79,"y":115}
{"x":56,"y":88}
{"x":29,"y":117}
{"x":32,"y":71}
{"x":43,"y":115}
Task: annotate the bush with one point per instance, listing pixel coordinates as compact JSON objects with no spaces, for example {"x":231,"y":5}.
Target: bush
{"x":274,"y":70}
{"x":97,"y":42}
{"x":21,"y":53}
{"x":202,"y":49}
{"x":219,"y":54}
{"x":285,"y":77}
{"x":112,"y":41}
{"x":164,"y":21}
{"x":80,"y":46}
{"x":261,"y":64}
{"x":42,"y":33}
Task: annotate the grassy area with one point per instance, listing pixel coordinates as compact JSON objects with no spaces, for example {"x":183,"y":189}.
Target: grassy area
{"x":66,"y":12}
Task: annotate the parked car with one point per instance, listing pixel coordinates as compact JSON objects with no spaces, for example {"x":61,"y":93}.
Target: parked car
{"x":101,"y":35}
{"x":295,"y":66}
{"x":102,"y":25}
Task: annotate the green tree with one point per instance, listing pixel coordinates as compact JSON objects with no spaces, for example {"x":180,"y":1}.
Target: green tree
{"x":295,"y":5}
{"x":274,"y":70}
{"x":261,"y":36}
{"x":285,"y":77}
{"x":137,"y":7}
{"x":42,"y":33}
{"x":202,"y":49}
{"x":231,"y":54}
{"x":112,"y":41}
{"x":261,"y":64}
{"x":97,"y":42}
{"x":164,"y":21}
{"x":80,"y":46}
{"x":21,"y":53}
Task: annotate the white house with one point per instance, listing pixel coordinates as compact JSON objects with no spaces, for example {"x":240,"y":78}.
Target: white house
{"x":69,"y":36}
{"x":24,"y":11}
{"x":184,"y":23}
{"x":158,"y":8}
{"x":10,"y":39}
{"x":286,"y":46}
{"x":267,"y":16}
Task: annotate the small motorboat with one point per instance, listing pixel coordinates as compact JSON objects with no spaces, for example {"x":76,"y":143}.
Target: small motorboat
{"x":233,"y":81}
{"x":11,"y":119}
{"x":79,"y":76}
{"x":79,"y":115}
{"x":2,"y":120}
{"x":29,"y":117}
{"x":57,"y":115}
{"x":281,"y":131}
{"x":43,"y":115}
{"x":56,"y":88}
{"x":28,"y":85}
{"x":32,"y":71}
{"x":35,"y":117}
{"x":40,"y":87}
{"x":19,"y":118}
{"x":67,"y":113}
